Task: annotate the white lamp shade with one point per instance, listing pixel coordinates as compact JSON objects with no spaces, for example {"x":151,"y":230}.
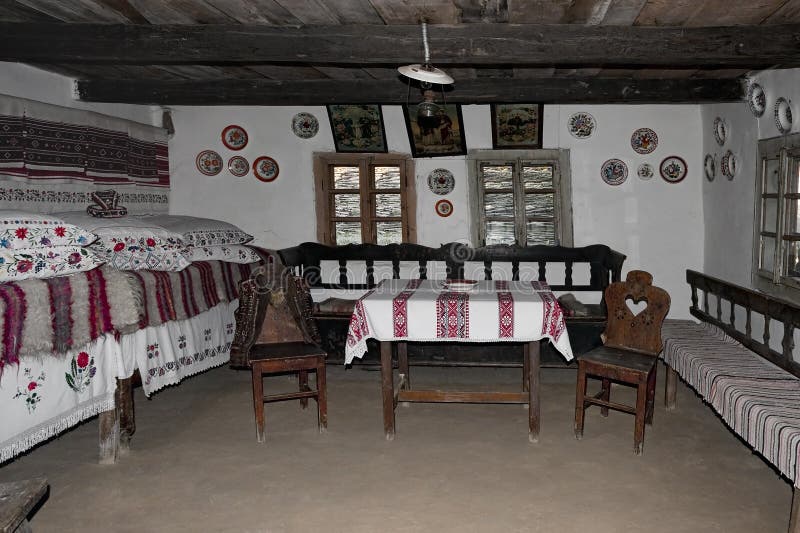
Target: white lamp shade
{"x":425,"y":73}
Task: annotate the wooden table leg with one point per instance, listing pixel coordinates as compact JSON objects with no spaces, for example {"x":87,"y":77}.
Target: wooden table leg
{"x":402,"y":364}
{"x":387,"y":389}
{"x":534,"y":355}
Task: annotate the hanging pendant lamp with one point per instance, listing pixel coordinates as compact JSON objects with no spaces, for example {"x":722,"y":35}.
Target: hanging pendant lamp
{"x":425,"y":72}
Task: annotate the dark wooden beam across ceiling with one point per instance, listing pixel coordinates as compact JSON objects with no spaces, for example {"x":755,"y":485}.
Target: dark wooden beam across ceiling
{"x":476,"y":91}
{"x":363,"y":45}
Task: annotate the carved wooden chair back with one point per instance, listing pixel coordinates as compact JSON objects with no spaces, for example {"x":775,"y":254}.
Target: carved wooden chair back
{"x":640,"y":332}
{"x":254,"y":297}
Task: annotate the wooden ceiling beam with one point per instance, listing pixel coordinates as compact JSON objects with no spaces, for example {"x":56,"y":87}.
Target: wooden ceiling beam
{"x":484,"y":90}
{"x":364,"y":45}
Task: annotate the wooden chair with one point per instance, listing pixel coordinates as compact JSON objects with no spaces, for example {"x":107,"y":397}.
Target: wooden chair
{"x":629,"y":355}
{"x":302,"y":356}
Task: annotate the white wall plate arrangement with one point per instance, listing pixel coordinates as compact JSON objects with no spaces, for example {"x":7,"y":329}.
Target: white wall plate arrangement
{"x":710,"y":167}
{"x":756,"y":99}
{"x":783,"y":115}
{"x":720,"y":131}
{"x":728,"y":165}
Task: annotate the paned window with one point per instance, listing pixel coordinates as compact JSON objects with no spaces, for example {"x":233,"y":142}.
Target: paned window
{"x":364,"y":198}
{"x":521,"y":197}
{"x":776,"y":254}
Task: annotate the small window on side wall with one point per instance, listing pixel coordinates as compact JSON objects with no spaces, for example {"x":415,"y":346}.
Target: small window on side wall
{"x":521,"y":197}
{"x":776,"y":243}
{"x":364,"y":198}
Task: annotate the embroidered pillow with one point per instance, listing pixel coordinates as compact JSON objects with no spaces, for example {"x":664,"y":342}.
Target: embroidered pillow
{"x":232,"y":253}
{"x":201,"y":231}
{"x":133,"y":243}
{"x":131,"y":253}
{"x":19,"y":229}
{"x":39,"y":263}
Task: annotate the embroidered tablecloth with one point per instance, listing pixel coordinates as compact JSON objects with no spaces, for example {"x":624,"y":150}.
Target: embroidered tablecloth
{"x":429,"y":311}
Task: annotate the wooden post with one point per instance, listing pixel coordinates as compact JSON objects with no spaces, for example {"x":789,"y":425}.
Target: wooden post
{"x":671,"y":391}
{"x":387,"y":388}
{"x":402,"y":364}
{"x":109,"y":436}
{"x":127,"y":422}
{"x":794,"y":520}
{"x":534,"y":420}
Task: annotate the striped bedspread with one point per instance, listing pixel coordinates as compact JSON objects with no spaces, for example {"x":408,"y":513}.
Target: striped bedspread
{"x":166,"y":296}
{"x":758,"y":400}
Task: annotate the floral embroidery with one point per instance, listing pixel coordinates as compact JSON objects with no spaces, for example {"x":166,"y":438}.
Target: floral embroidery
{"x":182,"y":342}
{"x":18,"y":233}
{"x":216,"y":237}
{"x":207,"y":333}
{"x":229,"y":328}
{"x":19,"y":264}
{"x":153,"y":351}
{"x":142,"y":253}
{"x":234,"y":253}
{"x":82,"y":370}
{"x":31,"y":391}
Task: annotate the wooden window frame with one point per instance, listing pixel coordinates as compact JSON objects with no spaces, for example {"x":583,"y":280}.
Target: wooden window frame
{"x":562,"y":190}
{"x":324,"y":192}
{"x":787,"y":150}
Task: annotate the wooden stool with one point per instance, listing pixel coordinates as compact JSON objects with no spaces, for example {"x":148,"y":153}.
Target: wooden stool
{"x":289,"y":357}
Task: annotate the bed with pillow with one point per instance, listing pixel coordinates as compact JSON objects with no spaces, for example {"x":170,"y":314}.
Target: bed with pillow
{"x":86,"y":301}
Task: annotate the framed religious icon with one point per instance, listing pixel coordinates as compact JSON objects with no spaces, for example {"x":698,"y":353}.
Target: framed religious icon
{"x":517,"y":125}
{"x":438,"y":135}
{"x":357,"y":128}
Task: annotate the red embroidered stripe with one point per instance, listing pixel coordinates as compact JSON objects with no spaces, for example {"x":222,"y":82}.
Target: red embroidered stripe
{"x":400,"y":308}
{"x":505,"y":309}
{"x":552,"y":319}
{"x":452,"y":315}
{"x":146,"y":316}
{"x":16,"y":308}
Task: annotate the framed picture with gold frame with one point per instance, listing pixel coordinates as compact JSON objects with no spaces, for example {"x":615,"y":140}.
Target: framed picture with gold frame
{"x":440,"y":135}
{"x":517,"y":126}
{"x":357,"y":128}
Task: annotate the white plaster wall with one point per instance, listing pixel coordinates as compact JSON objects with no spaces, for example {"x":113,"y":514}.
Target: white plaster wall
{"x":656,"y":224}
{"x":24,"y":81}
{"x":728,"y":205}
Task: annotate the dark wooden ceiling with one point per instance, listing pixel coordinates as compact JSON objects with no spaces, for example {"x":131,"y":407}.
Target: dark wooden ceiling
{"x":324,"y":51}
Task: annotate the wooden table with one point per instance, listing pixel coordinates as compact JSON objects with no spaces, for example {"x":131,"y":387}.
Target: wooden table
{"x":402,"y":311}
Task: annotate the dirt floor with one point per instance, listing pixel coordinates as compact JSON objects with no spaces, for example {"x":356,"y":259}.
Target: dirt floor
{"x":195,"y":465}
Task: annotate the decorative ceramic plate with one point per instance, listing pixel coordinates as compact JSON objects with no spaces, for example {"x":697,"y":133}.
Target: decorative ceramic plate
{"x":720,"y":131}
{"x":238,"y":166}
{"x":645,"y":171}
{"x":234,"y":137}
{"x":460,"y":285}
{"x":581,"y":125}
{"x":756,"y":99}
{"x":444,"y":208}
{"x":209,"y":162}
{"x":783,"y":115}
{"x":644,"y":141}
{"x":614,"y":171}
{"x":441,"y":181}
{"x":265,"y":168}
{"x":728,"y":165}
{"x":305,"y":125}
{"x":710,"y":167}
{"x":673,"y":169}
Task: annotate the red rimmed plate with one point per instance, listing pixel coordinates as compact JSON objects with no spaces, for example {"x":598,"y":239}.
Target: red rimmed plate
{"x":209,"y":162}
{"x":265,"y":168}
{"x":238,"y":166}
{"x":444,"y":208}
{"x":234,"y":137}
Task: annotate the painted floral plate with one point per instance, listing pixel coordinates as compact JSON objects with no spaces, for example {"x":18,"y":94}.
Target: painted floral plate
{"x":645,"y":171}
{"x":234,"y":137}
{"x":614,"y":171}
{"x":265,"y":168}
{"x":673,"y":169}
{"x":305,"y":125}
{"x":238,"y":166}
{"x":644,"y":141}
{"x":209,"y":162}
{"x":441,"y":181}
{"x":581,"y":125}
{"x":444,"y":208}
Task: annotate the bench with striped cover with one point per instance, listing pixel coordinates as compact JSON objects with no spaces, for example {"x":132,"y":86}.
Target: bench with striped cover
{"x":755,"y":389}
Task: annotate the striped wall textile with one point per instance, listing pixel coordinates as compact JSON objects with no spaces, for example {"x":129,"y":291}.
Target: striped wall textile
{"x":758,"y":400}
{"x":52,"y":158}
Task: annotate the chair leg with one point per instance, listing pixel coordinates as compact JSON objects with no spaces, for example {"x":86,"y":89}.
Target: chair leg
{"x":402,"y":364}
{"x":580,"y":405}
{"x":322,"y":397}
{"x":651,"y":394}
{"x":641,"y":408}
{"x":258,"y":401}
{"x":606,"y":389}
{"x":526,"y":361}
{"x":302,"y":382}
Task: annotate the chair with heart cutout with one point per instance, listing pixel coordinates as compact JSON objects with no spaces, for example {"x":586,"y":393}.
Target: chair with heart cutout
{"x":629,"y":355}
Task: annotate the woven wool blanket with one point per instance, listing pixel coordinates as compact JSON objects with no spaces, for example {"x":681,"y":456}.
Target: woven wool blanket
{"x":58,"y":314}
{"x":166,"y":296}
